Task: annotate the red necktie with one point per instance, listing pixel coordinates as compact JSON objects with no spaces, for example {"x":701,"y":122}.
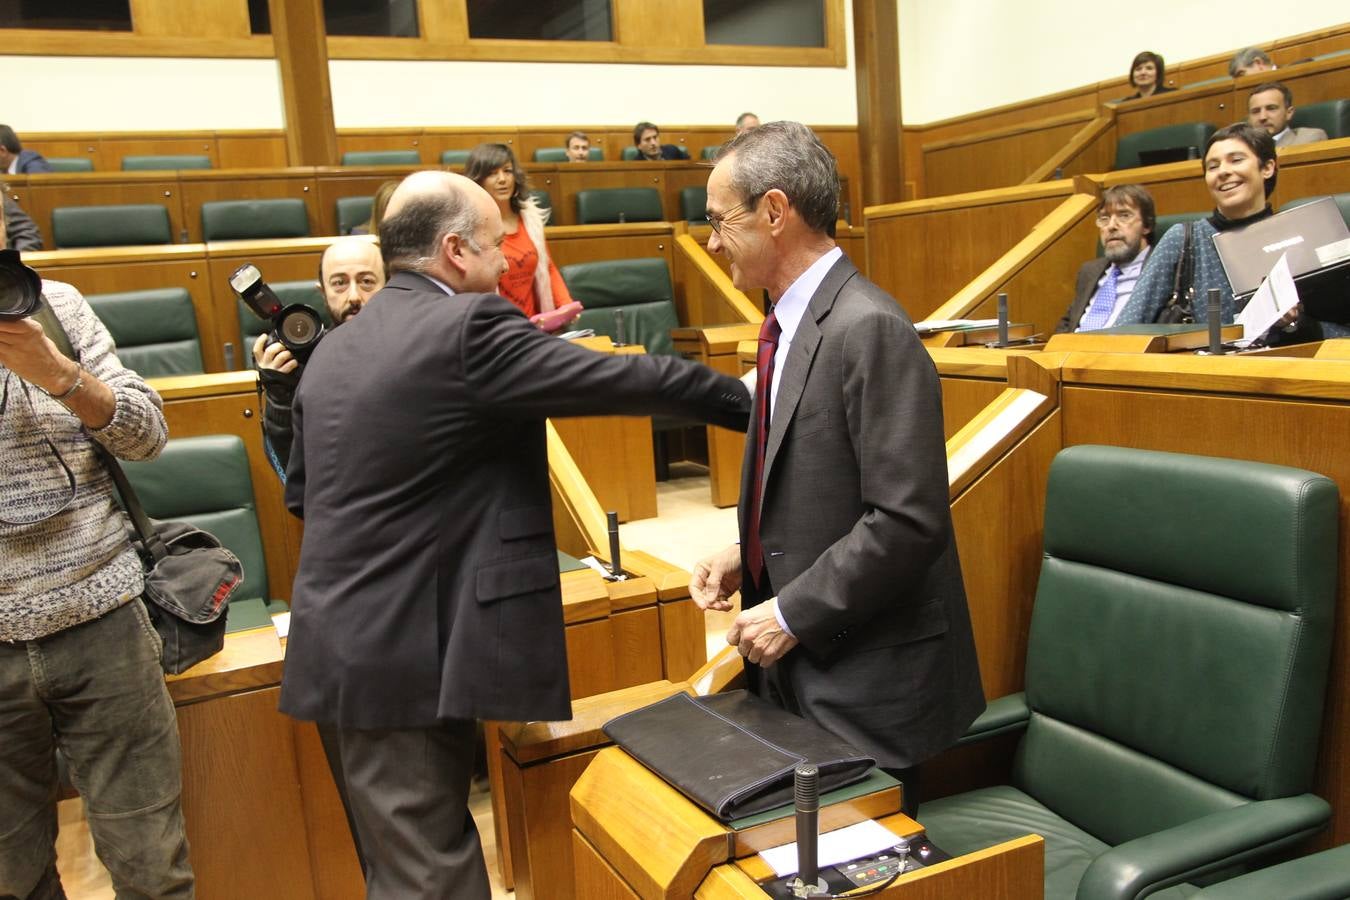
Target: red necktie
{"x":768,"y":346}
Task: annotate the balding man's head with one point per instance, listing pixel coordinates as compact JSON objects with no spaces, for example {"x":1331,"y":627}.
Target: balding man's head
{"x":442,"y":224}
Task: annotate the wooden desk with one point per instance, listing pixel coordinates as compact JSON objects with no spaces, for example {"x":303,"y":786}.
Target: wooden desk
{"x":634,"y":836}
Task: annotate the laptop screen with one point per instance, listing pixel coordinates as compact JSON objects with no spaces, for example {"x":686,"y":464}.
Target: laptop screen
{"x":1249,"y":253}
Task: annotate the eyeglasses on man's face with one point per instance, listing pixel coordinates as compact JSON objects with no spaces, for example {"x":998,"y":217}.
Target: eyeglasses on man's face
{"x":1123,"y":216}
{"x":717,"y":220}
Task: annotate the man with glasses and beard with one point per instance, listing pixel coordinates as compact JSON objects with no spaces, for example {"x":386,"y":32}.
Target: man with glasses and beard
{"x":1126,"y":220}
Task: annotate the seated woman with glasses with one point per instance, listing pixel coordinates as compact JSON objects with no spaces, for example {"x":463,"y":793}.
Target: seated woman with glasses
{"x":532,"y":281}
{"x":1125,"y":221}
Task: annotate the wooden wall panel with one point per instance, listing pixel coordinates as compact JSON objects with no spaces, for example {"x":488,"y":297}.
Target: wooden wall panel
{"x":604,"y":175}
{"x":242,"y":151}
{"x":205,"y":187}
{"x":112,"y":150}
{"x":998,"y":159}
{"x":48,"y":192}
{"x":575,"y":244}
{"x":962,"y":398}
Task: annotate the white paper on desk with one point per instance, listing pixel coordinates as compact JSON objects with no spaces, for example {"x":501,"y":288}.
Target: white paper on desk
{"x":852,"y":842}
{"x":282,"y":623}
{"x":600,"y":568}
{"x":929,"y":326}
{"x":1276,"y":296}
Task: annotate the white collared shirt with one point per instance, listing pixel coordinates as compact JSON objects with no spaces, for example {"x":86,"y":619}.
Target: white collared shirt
{"x":14,"y":165}
{"x":440,"y":284}
{"x":789,"y":311}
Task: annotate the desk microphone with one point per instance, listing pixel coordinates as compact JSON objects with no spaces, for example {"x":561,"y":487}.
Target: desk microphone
{"x":1003,"y":318}
{"x":615,"y":566}
{"x":1215,"y":326}
{"x":620,"y":332}
{"x":806,"y":792}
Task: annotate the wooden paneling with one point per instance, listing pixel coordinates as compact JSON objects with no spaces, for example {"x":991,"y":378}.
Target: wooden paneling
{"x":843,"y":143}
{"x":1213,"y":104}
{"x":256,"y":184}
{"x":615,"y":455}
{"x":349,"y":181}
{"x":962,"y":398}
{"x":876,"y":39}
{"x":923,"y":252}
{"x":996,"y":159}
{"x":203,"y":19}
{"x":112,"y":150}
{"x":251,"y":151}
{"x":592,"y":243}
{"x":541,"y":859}
{"x":48,"y":192}
{"x":594,"y":176}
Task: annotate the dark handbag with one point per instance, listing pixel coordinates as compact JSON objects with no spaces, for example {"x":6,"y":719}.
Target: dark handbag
{"x":189,"y":577}
{"x":733,"y":753}
{"x":1180,"y":309}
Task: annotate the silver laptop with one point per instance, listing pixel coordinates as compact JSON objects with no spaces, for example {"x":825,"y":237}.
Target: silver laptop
{"x":1248,"y":254}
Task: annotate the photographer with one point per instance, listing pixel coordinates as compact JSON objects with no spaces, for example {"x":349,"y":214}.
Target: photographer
{"x":350,"y":271}
{"x":79,"y":660}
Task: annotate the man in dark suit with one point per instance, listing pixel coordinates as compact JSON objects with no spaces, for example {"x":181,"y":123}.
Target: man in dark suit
{"x":427,"y":594}
{"x":15,"y":160}
{"x":647,"y":140}
{"x":1125,"y":219}
{"x":853,"y":608}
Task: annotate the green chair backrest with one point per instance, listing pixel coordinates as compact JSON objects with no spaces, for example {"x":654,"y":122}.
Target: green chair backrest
{"x":551,"y":154}
{"x":71,"y":163}
{"x":709,"y":152}
{"x":694,"y":205}
{"x":381,"y":158}
{"x":353,"y":211}
{"x":1190,"y":134}
{"x":155,"y":163}
{"x":206,"y":481}
{"x":228,"y":220}
{"x":454,"y":157}
{"x":1332,"y":116}
{"x":607,"y":205}
{"x":639,"y":287}
{"x":630,"y":154}
{"x":155,"y":330}
{"x":1320,"y":876}
{"x":288,"y":292}
{"x":1180,"y":638}
{"x":110,"y":226}
{"x":542,"y":198}
{"x":595,"y":154}
{"x":1342,"y":201}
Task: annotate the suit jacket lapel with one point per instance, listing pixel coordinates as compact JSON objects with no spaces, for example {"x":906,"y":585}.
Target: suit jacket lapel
{"x":799,"y":358}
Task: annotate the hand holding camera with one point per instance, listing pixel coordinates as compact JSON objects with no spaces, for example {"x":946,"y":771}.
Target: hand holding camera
{"x":296,"y":328}
{"x":24,"y":347}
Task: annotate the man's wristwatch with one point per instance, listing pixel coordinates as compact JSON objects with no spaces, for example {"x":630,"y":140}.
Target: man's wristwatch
{"x":70,"y":391}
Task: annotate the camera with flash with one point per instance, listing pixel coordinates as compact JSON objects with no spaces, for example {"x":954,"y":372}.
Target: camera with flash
{"x":296,"y":327}
{"x":20,"y":288}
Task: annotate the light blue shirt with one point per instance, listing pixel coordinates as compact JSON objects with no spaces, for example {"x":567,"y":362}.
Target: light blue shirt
{"x":789,"y":311}
{"x":440,"y":284}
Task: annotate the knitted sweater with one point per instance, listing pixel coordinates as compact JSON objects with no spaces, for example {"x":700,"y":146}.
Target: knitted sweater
{"x":76,"y":565}
{"x":1154,"y":287}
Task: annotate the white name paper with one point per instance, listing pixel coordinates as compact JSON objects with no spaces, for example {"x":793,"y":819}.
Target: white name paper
{"x":852,"y":842}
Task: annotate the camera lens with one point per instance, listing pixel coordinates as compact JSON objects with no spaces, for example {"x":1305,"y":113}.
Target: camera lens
{"x":299,"y":326}
{"x":20,"y":288}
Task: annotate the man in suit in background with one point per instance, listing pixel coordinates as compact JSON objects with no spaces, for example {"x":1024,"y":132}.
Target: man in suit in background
{"x":853,"y":608}
{"x":1270,"y":107}
{"x":15,"y":160}
{"x":647,"y":139}
{"x":428,"y":594}
{"x":1126,"y":220}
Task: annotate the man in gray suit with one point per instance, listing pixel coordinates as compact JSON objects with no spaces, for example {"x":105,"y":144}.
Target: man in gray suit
{"x":853,"y":608}
{"x":1270,"y":107}
{"x":428,"y":594}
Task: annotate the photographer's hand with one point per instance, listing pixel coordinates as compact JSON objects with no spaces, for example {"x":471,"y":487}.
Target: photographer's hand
{"x":273,"y":356}
{"x":27,"y":352}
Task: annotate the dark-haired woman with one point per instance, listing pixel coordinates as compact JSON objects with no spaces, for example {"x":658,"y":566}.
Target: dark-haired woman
{"x":532,"y":282}
{"x":1146,"y":75}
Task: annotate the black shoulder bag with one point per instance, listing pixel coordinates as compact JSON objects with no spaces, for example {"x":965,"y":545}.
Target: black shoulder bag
{"x":1179,"y":309}
{"x":189,"y":576}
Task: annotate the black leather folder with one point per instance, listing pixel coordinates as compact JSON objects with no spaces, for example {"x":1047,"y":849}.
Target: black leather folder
{"x":733,"y":754}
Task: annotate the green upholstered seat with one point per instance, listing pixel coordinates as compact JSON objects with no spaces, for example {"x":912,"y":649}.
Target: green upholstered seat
{"x":228,"y":220}
{"x":639,"y":287}
{"x":381,"y":158}
{"x":1175,"y":673}
{"x":710,"y":152}
{"x":608,"y":205}
{"x":353,"y":211}
{"x":1321,"y":876}
{"x":694,"y":205}
{"x":165,"y":162}
{"x":1332,"y":116}
{"x":1189,"y":135}
{"x":288,"y":292}
{"x":454,"y":157}
{"x":206,"y":481}
{"x":551,"y":155}
{"x":542,"y":198}
{"x":155,"y":330}
{"x":1342,"y":201}
{"x":111,"y":226}
{"x":71,"y":163}
{"x":630,"y":154}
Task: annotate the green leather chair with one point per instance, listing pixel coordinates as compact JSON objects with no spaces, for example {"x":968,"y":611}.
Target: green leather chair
{"x":1176,"y":666}
{"x":551,"y":155}
{"x":155,"y":330}
{"x":710,"y":152}
{"x":694,"y":205}
{"x":353,"y":211}
{"x":1333,"y":117}
{"x":542,"y":198}
{"x":228,"y":220}
{"x":1321,"y":876}
{"x":1190,"y":135}
{"x":639,"y":287}
{"x":608,"y":205}
{"x":206,"y":481}
{"x":288,"y":292}
{"x":454,"y":157}
{"x":381,"y":158}
{"x":1342,"y":201}
{"x":71,"y":163}
{"x":163,"y":163}
{"x":630,"y":154}
{"x":110,"y":226}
